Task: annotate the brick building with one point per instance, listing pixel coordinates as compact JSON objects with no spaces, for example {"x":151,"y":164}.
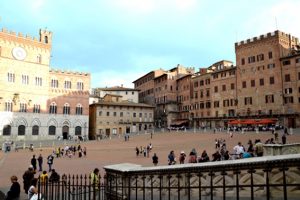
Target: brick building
{"x":37,"y":102}
{"x":265,"y":83}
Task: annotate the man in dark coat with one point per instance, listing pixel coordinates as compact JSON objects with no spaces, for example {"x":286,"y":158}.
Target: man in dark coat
{"x":33,"y":162}
{"x":40,"y":161}
{"x":27,"y":177}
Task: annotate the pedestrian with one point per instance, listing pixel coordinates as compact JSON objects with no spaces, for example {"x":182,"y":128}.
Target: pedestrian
{"x":155,"y":159}
{"x":44,"y":177}
{"x":40,"y":161}
{"x":33,"y":162}
{"x":50,"y":159}
{"x":171,"y":158}
{"x":258,"y":148}
{"x":54,"y":177}
{"x":182,"y":157}
{"x":192,"y":157}
{"x":27,"y":177}
{"x":84,"y":151}
{"x":137,"y":151}
{"x":283,"y":137}
{"x":32,"y":189}
{"x":14,"y":191}
{"x":95,"y":183}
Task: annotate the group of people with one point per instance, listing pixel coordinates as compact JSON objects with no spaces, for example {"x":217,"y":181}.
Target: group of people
{"x":145,"y":151}
{"x":70,"y":151}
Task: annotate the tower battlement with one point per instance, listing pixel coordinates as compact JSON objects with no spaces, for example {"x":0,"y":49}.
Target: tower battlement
{"x":277,"y":34}
{"x":45,"y":36}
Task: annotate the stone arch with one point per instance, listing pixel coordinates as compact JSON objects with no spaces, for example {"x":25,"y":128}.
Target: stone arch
{"x":66,"y":122}
{"x":78,"y":122}
{"x":21,"y":121}
{"x":52,"y":122}
{"x":36,"y":121}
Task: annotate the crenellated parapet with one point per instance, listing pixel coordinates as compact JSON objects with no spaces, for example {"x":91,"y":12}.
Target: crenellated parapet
{"x":25,"y":40}
{"x":276,"y":34}
{"x":68,"y":72}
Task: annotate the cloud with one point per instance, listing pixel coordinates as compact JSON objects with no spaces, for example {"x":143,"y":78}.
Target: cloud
{"x":110,"y":78}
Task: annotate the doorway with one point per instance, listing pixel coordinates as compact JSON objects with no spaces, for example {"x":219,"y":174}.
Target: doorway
{"x":65,"y":132}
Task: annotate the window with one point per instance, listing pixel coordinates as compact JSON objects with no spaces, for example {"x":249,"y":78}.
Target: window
{"x":36,"y":108}
{"x":53,"y":108}
{"x":207,"y":93}
{"x":248,"y":100}
{"x":216,"y":89}
{"x":11,"y":77}
{"x":39,"y":59}
{"x":140,"y":114}
{"x":196,"y":84}
{"x":52,"y":130}
{"x":287,"y":78}
{"x":67,"y":84}
{"x":8,"y":106}
{"x":232,"y":86}
{"x":115,"y":114}
{"x":21,"y":130}
{"x":270,"y":55}
{"x":132,"y":93}
{"x":78,"y":130}
{"x":107,"y":113}
{"x":252,"y":83}
{"x":270,"y":66}
{"x":25,"y":79}
{"x":288,"y":100}
{"x":23,"y":107}
{"x":100,"y":113}
{"x":261,"y":82}
{"x":225,"y":103}
{"x":54,"y":83}
{"x":224,"y":87}
{"x":269,"y":98}
{"x":243,"y":61}
{"x":201,"y":82}
{"x":260,"y":57}
{"x":79,"y":85}
{"x":251,"y":59}
{"x":7,"y":130}
{"x":46,"y":39}
{"x":216,"y":104}
{"x":79,"y":109}
{"x":288,"y":90}
{"x":272,"y":80}
{"x":66,"y":109}
{"x":121,"y":114}
{"x":134,"y":114}
{"x":297,"y":60}
{"x":35,"y":130}
{"x":38,"y":81}
{"x":286,"y":62}
{"x":196,"y":95}
{"x":207,"y":104}
{"x":244,"y":84}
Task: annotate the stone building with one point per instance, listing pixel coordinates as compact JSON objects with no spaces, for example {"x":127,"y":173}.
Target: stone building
{"x":127,"y":94}
{"x":265,"y":83}
{"x":37,"y":102}
{"x":111,"y":116}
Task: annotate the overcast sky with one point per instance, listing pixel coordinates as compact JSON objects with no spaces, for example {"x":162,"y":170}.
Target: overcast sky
{"x":118,"y":41}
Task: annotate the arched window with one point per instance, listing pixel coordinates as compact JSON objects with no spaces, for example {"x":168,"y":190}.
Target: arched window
{"x":7,"y":130}
{"x":21,"y":130}
{"x":79,"y":109}
{"x":52,"y":130}
{"x":66,"y":110}
{"x":79,"y":85}
{"x":54,"y":82}
{"x":8,"y":106}
{"x":35,"y":130}
{"x":78,"y":130}
{"x":39,"y":58}
{"x":53,"y":108}
{"x":67,"y":84}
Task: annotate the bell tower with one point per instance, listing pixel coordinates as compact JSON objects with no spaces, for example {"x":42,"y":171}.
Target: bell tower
{"x":46,"y":37}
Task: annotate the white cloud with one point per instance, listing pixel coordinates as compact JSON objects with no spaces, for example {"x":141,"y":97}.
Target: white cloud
{"x":109,"y":78}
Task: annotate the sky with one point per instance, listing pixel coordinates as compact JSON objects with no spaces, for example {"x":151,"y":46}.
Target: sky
{"x":118,"y":41}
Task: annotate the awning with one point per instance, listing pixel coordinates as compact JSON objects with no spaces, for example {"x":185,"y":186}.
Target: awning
{"x":234,"y":122}
{"x":267,"y":121}
{"x":179,"y":122}
{"x":249,"y":121}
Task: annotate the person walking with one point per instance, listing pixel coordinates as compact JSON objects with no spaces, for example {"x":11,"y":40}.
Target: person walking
{"x":32,"y":189}
{"x":50,"y":159}
{"x":54,"y":177}
{"x":33,"y":162}
{"x":14,"y":191}
{"x":94,"y":177}
{"x":27,"y":177}
{"x":40,"y":161}
{"x":155,"y":159}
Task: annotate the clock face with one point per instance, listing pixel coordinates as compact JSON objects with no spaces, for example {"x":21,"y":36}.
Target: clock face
{"x":19,"y":53}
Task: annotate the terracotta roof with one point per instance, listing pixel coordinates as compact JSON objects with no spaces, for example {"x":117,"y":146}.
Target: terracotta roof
{"x":117,"y":88}
{"x":124,"y":103}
